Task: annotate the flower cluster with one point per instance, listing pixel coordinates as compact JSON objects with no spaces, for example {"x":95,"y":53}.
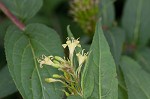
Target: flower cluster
{"x":85,"y":13}
{"x":71,"y":72}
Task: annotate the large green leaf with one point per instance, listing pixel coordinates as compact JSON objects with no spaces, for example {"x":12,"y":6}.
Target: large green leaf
{"x":107,"y":12}
{"x":7,"y":85}
{"x":87,"y":80}
{"x":135,"y":20}
{"x":24,"y":9}
{"x":143,"y":57}
{"x":22,"y":50}
{"x":137,"y":80}
{"x":115,"y":37}
{"x":100,"y":70}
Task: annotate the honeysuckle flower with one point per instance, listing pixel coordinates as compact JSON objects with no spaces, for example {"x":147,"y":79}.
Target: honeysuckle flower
{"x":81,"y":57}
{"x":47,"y":60}
{"x":72,"y":44}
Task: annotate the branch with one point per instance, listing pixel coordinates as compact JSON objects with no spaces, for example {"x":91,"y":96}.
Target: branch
{"x":13,"y":18}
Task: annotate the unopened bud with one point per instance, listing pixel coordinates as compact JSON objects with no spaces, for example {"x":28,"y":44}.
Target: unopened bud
{"x":56,"y":65}
{"x":56,"y":76}
{"x":59,"y":59}
{"x":56,"y":62}
{"x":51,"y":80}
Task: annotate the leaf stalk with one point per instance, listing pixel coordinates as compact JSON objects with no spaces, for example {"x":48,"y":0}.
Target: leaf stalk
{"x":12,"y":17}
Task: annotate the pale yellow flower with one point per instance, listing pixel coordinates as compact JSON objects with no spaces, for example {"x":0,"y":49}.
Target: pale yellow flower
{"x":82,"y":57}
{"x":45,"y":60}
{"x":72,"y":44}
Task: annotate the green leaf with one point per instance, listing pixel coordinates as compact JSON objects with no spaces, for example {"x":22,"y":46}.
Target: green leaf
{"x":7,"y":85}
{"x":87,"y":80}
{"x":135,"y":20}
{"x":24,"y":9}
{"x":115,"y":37}
{"x":143,"y":57}
{"x":100,"y":66}
{"x":137,"y":80}
{"x":22,"y":50}
{"x":107,"y":12}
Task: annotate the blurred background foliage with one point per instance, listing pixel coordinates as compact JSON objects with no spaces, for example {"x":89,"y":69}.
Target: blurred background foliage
{"x":125,"y":25}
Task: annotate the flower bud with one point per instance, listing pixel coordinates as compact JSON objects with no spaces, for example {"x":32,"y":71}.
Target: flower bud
{"x":56,"y":76}
{"x":51,"y":80}
{"x":59,"y":59}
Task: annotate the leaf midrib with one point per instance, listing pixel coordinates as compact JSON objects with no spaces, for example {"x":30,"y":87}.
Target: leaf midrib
{"x":46,"y":68}
{"x":100,"y":86}
{"x":36,"y":66}
{"x":100,"y":50}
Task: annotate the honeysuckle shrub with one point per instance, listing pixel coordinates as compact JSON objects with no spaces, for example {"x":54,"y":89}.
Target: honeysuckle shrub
{"x":96,"y":57}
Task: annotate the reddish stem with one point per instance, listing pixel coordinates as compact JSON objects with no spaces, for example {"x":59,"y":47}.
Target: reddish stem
{"x":13,"y":18}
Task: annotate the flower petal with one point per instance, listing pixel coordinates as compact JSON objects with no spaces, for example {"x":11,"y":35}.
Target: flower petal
{"x":64,"y":45}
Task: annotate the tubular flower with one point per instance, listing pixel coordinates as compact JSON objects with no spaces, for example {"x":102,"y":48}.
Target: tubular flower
{"x":81,"y":57}
{"x":72,"y":44}
{"x":47,"y":60}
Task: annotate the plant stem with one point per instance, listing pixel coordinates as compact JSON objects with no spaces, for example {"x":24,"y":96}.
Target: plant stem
{"x":13,"y":18}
